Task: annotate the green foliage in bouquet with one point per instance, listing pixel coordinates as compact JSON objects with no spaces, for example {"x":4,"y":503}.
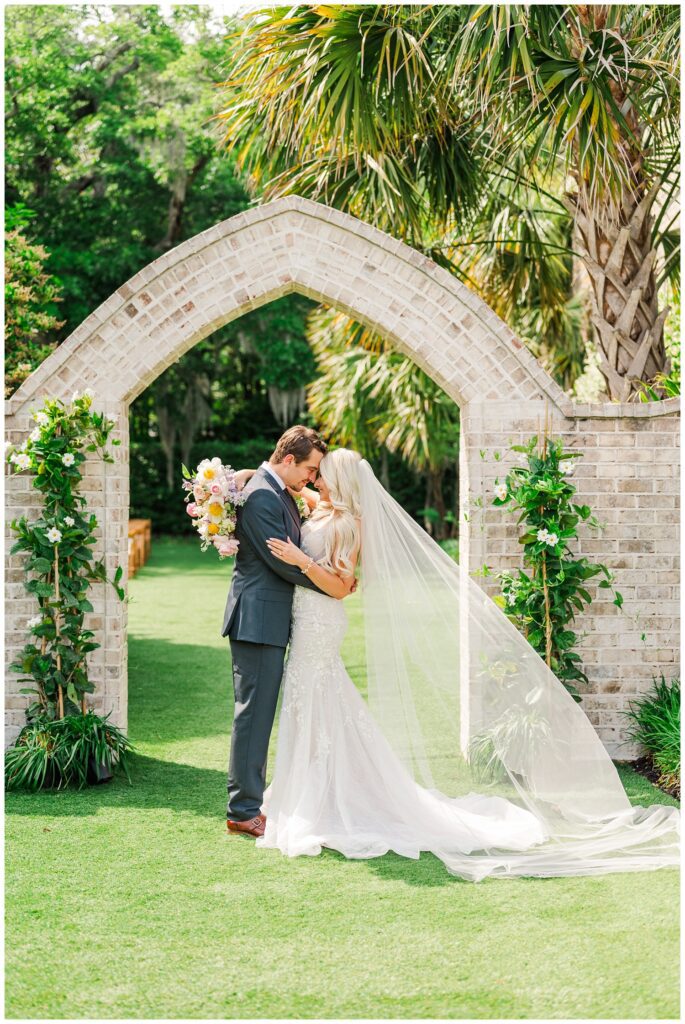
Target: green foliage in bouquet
{"x":543,"y":601}
{"x":656,"y":726}
{"x":59,"y":569}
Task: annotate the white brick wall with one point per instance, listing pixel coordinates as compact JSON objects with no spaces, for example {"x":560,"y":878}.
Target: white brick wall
{"x":629,"y":474}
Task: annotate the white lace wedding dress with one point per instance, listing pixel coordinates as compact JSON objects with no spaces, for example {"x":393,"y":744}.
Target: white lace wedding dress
{"x":337,"y":782}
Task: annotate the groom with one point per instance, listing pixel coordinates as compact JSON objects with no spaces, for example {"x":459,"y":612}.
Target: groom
{"x":257,"y":616}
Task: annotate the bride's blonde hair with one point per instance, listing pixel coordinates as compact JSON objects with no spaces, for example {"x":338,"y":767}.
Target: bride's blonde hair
{"x":340,"y":472}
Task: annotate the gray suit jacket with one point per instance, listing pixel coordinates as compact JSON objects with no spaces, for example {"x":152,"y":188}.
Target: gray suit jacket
{"x":261,"y":593}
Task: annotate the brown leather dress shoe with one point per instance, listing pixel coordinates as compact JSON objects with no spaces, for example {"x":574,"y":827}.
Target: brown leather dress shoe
{"x":253,"y":827}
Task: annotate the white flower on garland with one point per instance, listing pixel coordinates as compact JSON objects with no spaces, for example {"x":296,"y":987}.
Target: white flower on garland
{"x":552,"y":539}
{"x":35,"y":434}
{"x":21,"y":460}
{"x":69,"y":521}
{"x":567,"y":468}
{"x":511,"y":599}
{"x":35,"y":621}
{"x":54,"y":535}
{"x":88,"y":394}
{"x":501,"y":491}
{"x":68,"y":459}
{"x":41,"y":418}
{"x":543,"y":535}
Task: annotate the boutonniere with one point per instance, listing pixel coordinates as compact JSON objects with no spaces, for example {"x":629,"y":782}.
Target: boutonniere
{"x":302,"y":507}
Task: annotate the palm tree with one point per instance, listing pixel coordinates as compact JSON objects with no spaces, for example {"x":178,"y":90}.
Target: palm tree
{"x":593,"y":87}
{"x":413,"y":117}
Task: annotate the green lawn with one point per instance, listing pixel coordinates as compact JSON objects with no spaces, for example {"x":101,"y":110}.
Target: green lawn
{"x":132,"y":901}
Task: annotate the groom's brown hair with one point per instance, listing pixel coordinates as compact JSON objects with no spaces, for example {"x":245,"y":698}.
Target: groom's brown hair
{"x":298,"y":441}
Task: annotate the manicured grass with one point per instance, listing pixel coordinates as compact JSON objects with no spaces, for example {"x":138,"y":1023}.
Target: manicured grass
{"x":132,"y":902}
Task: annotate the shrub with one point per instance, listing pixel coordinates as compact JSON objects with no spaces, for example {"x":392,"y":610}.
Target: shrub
{"x":76,"y":748}
{"x":656,"y":726}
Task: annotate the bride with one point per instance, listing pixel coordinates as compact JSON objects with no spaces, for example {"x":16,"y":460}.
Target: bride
{"x":469,"y":747}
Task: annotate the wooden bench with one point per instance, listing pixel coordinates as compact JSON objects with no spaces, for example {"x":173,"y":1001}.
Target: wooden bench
{"x":139,"y":544}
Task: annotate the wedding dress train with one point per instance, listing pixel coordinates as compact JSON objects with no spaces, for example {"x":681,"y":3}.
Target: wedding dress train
{"x":337,"y":782}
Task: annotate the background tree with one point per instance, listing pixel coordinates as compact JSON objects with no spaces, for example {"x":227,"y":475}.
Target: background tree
{"x":109,"y":138}
{"x":30,"y":301}
{"x":408,"y":117}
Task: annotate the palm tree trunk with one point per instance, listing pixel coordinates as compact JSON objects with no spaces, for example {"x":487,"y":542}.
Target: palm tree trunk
{"x":619,"y":257}
{"x":617,"y":249}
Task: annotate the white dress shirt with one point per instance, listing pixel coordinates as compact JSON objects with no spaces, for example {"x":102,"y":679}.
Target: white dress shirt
{"x":270,"y":470}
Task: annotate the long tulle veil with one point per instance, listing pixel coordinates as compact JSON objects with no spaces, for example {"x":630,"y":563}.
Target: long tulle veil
{"x":469,"y":706}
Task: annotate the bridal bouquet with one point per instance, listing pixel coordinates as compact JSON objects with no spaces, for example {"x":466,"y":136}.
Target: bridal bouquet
{"x":217,"y":499}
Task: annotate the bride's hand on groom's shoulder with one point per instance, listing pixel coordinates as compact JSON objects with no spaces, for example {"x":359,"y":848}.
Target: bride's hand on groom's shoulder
{"x":242,"y":476}
{"x":286,"y":551}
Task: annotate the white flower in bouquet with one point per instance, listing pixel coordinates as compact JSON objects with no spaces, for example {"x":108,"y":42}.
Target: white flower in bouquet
{"x":208,"y":471}
{"x":215,"y":511}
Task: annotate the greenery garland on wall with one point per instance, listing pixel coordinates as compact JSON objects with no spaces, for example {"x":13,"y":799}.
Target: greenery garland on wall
{"x":61,"y":734}
{"x":543,"y":602}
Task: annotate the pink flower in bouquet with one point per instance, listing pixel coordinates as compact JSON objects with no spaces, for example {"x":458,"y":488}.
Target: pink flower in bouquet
{"x":192,"y":509}
{"x":199,"y":492}
{"x":225,"y":546}
{"x":216,"y":489}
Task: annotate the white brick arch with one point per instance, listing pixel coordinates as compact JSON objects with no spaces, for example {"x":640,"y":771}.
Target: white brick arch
{"x":294,"y":244}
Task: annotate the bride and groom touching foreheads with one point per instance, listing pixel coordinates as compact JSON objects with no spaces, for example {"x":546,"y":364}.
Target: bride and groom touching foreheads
{"x":455,"y":692}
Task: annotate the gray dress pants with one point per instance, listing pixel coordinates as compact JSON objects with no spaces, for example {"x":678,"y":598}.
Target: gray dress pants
{"x":257,"y":673}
